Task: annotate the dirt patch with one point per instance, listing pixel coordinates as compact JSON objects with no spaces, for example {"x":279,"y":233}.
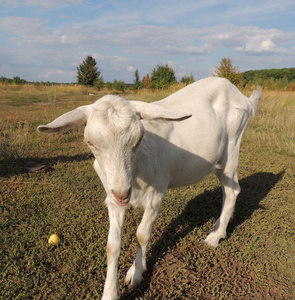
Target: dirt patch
{"x":223,"y":279}
{"x":172,"y":276}
{"x":173,"y":268}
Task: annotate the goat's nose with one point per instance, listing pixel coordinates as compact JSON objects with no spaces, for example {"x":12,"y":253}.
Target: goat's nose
{"x":122,"y":196}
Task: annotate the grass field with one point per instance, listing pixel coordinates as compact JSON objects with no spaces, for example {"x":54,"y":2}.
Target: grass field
{"x":256,"y":261}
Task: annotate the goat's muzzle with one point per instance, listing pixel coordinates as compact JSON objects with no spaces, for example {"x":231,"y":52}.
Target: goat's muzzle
{"x":122,"y":197}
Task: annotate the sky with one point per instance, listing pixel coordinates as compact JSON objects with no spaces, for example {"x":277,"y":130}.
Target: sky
{"x":43,"y":40}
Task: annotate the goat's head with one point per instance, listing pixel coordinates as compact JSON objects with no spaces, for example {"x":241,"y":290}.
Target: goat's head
{"x":113,"y":133}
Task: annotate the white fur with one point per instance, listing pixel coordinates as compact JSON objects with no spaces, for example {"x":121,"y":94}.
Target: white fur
{"x":142,"y":149}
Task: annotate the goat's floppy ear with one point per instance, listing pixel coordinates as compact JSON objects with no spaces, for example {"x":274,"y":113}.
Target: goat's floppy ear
{"x":150,"y":111}
{"x":67,"y":121}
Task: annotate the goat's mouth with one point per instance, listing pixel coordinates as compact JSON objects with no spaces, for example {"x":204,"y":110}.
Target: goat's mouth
{"x":124,"y":203}
{"x":122,"y":199}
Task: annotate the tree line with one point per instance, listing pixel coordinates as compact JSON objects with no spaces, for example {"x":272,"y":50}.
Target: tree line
{"x":163,"y":76}
{"x":273,"y":79}
{"x":15,"y":80}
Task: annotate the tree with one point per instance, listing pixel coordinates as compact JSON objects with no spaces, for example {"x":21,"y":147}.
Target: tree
{"x":137,"y":82}
{"x":227,"y":70}
{"x":146,"y":82}
{"x":187,"y":79}
{"x":5,"y":80}
{"x":109,"y":85}
{"x":99,"y":83}
{"x":16,"y":80}
{"x":119,"y":85}
{"x":88,"y":73}
{"x":162,"y":77}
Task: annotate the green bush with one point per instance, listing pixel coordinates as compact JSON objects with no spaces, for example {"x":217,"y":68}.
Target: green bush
{"x":119,"y":85}
{"x":162,"y":77}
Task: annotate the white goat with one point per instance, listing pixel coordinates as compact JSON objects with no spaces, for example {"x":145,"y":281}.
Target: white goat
{"x":141,"y":149}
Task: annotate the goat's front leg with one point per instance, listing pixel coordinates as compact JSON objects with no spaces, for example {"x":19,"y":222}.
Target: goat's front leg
{"x":134,"y":274}
{"x":116,"y":215}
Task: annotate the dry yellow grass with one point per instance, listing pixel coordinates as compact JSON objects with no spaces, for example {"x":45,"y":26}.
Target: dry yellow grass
{"x":275,"y":124}
{"x":148,"y":95}
{"x":28,"y":94}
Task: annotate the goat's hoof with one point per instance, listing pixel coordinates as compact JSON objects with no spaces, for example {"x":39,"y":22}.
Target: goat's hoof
{"x":133,"y":277}
{"x":130,"y":274}
{"x":213,"y":238}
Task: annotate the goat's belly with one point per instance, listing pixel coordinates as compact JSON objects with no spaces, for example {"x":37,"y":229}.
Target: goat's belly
{"x":190,"y":173}
{"x":196,"y":160}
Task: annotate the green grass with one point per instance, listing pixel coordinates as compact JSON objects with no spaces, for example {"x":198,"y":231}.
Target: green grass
{"x":256,"y":261}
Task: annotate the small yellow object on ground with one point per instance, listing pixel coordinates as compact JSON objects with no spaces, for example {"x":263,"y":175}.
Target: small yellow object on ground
{"x":54,"y":239}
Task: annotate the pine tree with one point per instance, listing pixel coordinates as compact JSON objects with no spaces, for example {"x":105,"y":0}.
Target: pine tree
{"x":88,"y":73}
{"x":137,"y":82}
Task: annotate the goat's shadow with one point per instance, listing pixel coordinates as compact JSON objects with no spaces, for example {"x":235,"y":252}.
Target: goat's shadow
{"x":200,"y":210}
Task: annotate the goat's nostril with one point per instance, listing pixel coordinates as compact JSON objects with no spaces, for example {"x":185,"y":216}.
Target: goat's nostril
{"x":121,"y":196}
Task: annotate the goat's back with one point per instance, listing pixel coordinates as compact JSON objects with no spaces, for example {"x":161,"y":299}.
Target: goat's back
{"x":193,"y":147}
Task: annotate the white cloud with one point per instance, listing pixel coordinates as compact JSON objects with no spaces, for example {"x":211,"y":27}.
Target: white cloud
{"x":131,"y":69}
{"x":41,"y":3}
{"x":34,"y":32}
{"x":191,"y":50}
{"x":258,"y":10}
{"x":148,"y":40}
{"x":112,"y":62}
{"x":172,"y":64}
{"x":261,"y":46}
{"x":54,"y":72}
{"x":249,"y":39}
{"x":22,"y":26}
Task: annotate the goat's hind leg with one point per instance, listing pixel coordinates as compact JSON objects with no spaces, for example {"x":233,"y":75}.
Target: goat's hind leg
{"x":134,"y":274}
{"x":229,"y":181}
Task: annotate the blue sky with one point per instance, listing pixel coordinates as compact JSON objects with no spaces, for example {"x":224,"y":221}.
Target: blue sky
{"x":46,"y":40}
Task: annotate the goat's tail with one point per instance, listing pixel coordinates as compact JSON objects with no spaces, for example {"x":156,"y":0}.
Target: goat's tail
{"x":254,"y":100}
